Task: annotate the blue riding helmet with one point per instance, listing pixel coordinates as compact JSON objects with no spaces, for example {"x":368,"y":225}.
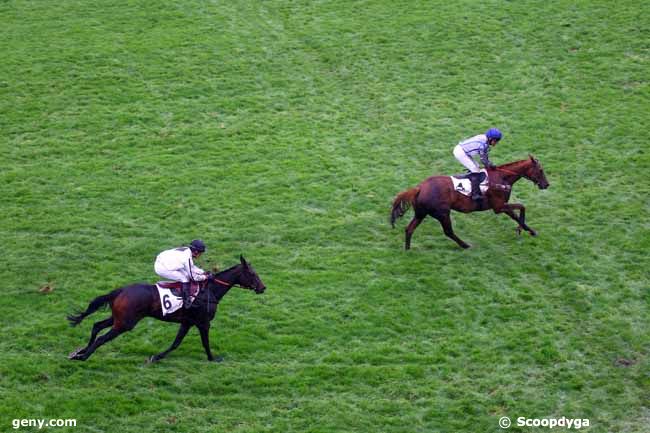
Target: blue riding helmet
{"x":197,"y":245}
{"x":493,"y":133}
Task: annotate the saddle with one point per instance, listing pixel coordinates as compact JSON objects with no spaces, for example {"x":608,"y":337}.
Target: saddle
{"x":176,"y":287}
{"x":482,"y":176}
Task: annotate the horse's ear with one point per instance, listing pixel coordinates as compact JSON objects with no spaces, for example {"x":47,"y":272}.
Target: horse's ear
{"x":532,"y":158}
{"x":242,"y":260}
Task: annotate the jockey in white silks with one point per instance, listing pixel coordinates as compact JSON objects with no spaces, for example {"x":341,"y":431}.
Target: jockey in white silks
{"x":177,"y":264}
{"x":477,"y":145}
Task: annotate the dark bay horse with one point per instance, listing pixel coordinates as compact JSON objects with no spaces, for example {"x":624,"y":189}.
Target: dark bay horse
{"x":132,"y":303}
{"x":436,"y":196}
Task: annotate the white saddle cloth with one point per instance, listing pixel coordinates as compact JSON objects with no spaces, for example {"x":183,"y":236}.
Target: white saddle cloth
{"x":464,"y":186}
{"x":168,"y":301}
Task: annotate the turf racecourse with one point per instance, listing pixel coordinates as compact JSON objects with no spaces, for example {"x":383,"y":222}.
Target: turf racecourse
{"x":282,"y":131}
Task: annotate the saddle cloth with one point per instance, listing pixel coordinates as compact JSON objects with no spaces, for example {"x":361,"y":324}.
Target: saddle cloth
{"x":169,"y":301}
{"x":171,"y":296}
{"x":463,"y":185}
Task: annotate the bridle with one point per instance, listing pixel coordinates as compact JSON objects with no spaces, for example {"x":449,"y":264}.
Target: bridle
{"x":222,"y":282}
{"x":228,"y":284}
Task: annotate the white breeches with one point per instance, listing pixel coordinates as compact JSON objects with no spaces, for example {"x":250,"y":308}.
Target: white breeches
{"x":468,"y":162}
{"x":177,"y":275}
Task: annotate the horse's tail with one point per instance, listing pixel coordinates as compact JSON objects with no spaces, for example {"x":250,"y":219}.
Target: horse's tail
{"x":94,"y":305}
{"x":402,"y":203}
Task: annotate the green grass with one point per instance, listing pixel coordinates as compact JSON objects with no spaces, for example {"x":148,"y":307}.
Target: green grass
{"x":283,"y":130}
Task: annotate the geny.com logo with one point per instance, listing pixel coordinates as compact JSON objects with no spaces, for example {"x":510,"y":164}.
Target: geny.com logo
{"x":42,"y":423}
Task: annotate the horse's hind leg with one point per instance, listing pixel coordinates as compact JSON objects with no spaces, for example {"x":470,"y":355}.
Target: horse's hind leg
{"x":98,"y":342}
{"x":182,"y":331}
{"x":98,"y":326}
{"x":445,"y":222}
{"x":415,"y":222}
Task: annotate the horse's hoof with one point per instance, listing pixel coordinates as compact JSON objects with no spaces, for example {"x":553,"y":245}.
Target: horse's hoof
{"x":76,"y":353}
{"x":217,"y":359}
{"x":465,"y":246}
{"x":152,"y":359}
{"x":533,"y":232}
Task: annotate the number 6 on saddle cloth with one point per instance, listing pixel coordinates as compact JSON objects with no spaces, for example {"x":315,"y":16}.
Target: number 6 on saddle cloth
{"x":171,"y":295}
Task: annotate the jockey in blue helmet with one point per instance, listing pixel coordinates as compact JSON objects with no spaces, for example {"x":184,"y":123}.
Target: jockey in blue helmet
{"x":479,"y":144}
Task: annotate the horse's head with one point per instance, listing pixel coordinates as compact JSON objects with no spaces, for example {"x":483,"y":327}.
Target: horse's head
{"x":249,"y":278}
{"x":535,"y":173}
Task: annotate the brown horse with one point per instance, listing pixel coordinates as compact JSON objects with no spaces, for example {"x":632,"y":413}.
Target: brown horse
{"x":436,"y":196}
{"x":132,"y":303}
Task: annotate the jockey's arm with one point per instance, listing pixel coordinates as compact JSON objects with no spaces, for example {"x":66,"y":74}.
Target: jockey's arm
{"x":196,"y":273}
{"x":485,"y":159}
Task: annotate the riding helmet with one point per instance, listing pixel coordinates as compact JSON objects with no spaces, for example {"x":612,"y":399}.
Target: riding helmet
{"x":197,"y":245}
{"x":493,"y":133}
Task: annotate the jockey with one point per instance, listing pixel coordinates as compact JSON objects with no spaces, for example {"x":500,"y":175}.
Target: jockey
{"x":479,"y":144}
{"x":177,"y":264}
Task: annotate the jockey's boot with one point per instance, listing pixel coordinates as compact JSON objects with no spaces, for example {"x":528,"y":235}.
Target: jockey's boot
{"x":187,"y":300}
{"x":475,"y":178}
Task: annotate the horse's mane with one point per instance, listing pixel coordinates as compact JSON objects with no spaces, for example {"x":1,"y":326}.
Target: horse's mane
{"x":204,"y":295}
{"x":226,"y":270}
{"x":514,"y":163}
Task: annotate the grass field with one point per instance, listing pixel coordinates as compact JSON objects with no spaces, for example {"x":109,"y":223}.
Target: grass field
{"x":282,"y":131}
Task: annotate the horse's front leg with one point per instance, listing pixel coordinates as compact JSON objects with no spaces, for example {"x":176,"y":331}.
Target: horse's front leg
{"x":182,"y":332}
{"x":204,"y":330}
{"x":509,"y":209}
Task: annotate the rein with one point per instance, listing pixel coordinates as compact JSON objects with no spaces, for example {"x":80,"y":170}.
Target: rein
{"x":225,"y":283}
{"x":514,"y":173}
